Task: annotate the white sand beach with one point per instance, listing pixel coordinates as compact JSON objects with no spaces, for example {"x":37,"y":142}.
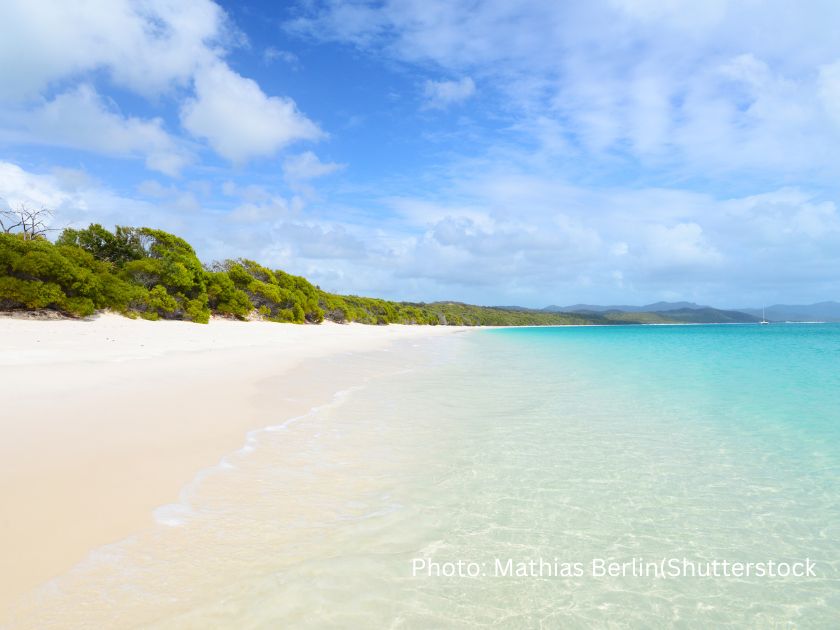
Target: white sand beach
{"x":105,"y":420}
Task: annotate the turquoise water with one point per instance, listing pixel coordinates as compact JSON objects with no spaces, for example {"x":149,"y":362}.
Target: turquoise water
{"x":700,"y":442}
{"x":574,"y":446}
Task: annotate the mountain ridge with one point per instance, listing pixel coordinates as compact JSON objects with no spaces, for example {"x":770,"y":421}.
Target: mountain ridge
{"x":655,"y":307}
{"x":827,"y":311}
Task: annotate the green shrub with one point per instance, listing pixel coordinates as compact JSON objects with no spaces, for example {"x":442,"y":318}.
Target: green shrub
{"x":224,"y":298}
{"x":152,"y":274}
{"x":123,"y":245}
{"x":37,"y":274}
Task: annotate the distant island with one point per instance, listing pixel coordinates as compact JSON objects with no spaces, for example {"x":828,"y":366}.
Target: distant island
{"x":689,"y":311}
{"x":149,"y":273}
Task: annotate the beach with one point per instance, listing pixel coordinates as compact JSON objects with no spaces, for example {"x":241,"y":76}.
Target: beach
{"x":106,"y":420}
{"x":366,"y":477}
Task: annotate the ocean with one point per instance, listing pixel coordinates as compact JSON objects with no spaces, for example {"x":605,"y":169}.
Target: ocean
{"x":571,"y":477}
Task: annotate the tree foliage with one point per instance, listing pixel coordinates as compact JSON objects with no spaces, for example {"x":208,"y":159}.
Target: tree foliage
{"x":153,"y":274}
{"x":36,"y":274}
{"x":120,"y":247}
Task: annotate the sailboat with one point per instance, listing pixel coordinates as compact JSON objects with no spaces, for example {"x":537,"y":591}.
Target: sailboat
{"x":763,"y":318}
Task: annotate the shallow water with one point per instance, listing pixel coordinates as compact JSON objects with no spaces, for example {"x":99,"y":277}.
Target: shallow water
{"x":569,"y":445}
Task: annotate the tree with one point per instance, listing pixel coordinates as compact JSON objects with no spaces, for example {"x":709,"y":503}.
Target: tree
{"x":31,"y":222}
{"x":121,"y":246}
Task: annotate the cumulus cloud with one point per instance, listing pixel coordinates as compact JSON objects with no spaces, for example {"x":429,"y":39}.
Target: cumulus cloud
{"x":20,"y":186}
{"x":157,"y":49}
{"x":257,"y":212}
{"x":636,"y":149}
{"x":307,"y":165}
{"x":238,"y":119}
{"x":530,"y":235}
{"x":678,"y":247}
{"x":785,"y":217}
{"x":144,"y":46}
{"x":77,"y":200}
{"x":687,"y":88}
{"x":442,"y":94}
{"x":577,"y":244}
{"x":172,"y":195}
{"x":324,"y":241}
{"x":82,"y":119}
{"x":696,"y":144}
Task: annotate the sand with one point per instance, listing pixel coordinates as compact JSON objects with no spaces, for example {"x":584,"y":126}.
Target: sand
{"x":105,"y":420}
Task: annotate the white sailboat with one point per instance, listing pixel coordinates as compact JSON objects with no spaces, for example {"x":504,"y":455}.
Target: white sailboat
{"x":763,"y":318}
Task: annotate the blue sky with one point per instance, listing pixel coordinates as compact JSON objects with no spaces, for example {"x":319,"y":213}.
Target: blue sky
{"x":493,"y":152}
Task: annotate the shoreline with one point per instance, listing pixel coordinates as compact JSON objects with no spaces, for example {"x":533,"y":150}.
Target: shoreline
{"x":108,"y":420}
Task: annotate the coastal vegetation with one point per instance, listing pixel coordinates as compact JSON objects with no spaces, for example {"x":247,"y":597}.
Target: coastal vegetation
{"x":148,"y":273}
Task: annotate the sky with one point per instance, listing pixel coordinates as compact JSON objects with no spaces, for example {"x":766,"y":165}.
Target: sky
{"x":495,"y":152}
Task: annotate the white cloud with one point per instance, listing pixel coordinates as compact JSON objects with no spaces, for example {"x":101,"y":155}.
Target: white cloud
{"x":578,"y":243}
{"x":81,"y":119}
{"x":19,"y":186}
{"x":688,"y":15}
{"x":252,"y":193}
{"x":174,"y":196}
{"x":306,"y":166}
{"x":596,"y":114}
{"x":530,"y":235}
{"x":442,"y":94}
{"x":318,"y":241}
{"x":690,"y":89}
{"x":679,"y":247}
{"x":78,"y":200}
{"x":619,"y":249}
{"x":272,"y":54}
{"x":238,"y":119}
{"x":257,"y":212}
{"x":144,"y":46}
{"x":158,"y":49}
{"x":788,"y":217}
{"x":829,"y":90}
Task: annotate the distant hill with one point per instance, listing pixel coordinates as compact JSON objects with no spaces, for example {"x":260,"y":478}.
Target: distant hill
{"x":708,"y":315}
{"x":689,"y":312}
{"x":821,"y":311}
{"x":657,"y":313}
{"x":148,"y":273}
{"x":656,"y":307}
{"x":703,"y":315}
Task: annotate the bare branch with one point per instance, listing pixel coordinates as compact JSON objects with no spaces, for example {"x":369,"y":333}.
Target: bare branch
{"x":32,"y":222}
{"x":9,"y":220}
